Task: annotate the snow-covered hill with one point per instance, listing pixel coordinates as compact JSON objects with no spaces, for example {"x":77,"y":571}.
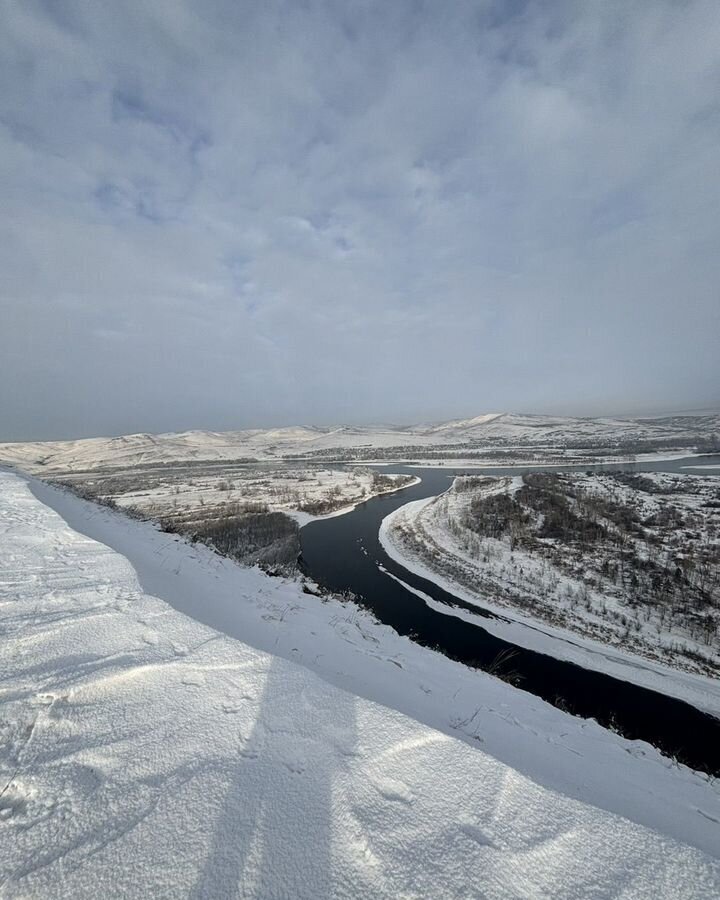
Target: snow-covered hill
{"x":491,"y":431}
{"x":144,"y":754}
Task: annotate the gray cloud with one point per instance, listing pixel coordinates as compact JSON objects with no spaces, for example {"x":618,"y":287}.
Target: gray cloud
{"x":229,"y":214}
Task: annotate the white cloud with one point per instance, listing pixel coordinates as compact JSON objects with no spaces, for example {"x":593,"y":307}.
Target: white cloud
{"x":232,"y":213}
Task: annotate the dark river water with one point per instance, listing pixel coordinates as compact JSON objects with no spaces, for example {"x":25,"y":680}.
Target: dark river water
{"x":343,"y":553}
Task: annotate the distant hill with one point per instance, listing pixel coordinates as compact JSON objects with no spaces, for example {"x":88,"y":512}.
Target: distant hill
{"x":492,"y":430}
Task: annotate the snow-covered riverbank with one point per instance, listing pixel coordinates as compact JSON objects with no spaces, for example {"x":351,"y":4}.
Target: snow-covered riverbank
{"x":304,"y":518}
{"x":146,"y":754}
{"x":552,"y":457}
{"x":413,"y":536}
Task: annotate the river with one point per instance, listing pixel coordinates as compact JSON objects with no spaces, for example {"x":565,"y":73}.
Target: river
{"x":343,"y":554}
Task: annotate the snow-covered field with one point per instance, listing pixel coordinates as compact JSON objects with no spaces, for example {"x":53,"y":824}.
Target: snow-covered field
{"x":554,"y":610}
{"x":302,"y":492}
{"x":143,"y":753}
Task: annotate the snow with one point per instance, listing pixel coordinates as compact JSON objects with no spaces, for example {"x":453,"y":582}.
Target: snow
{"x":419,"y":518}
{"x":143,"y":753}
{"x":304,"y":518}
{"x":555,"y":457}
{"x":285,"y":490}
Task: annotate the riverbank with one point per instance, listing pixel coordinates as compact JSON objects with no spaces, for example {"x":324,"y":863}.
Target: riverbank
{"x":551,"y":460}
{"x":417,"y":537}
{"x":304,"y":518}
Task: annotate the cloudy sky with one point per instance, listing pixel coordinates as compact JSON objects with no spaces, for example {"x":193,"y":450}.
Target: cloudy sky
{"x":220,"y":214}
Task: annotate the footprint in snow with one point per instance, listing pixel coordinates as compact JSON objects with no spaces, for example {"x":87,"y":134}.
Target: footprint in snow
{"x":58,"y":706}
{"x":476,"y":834}
{"x":89,"y":777}
{"x":13,"y":802}
{"x":249,"y":751}
{"x":396,"y":791}
{"x":236,"y":705}
{"x":294,"y":762}
{"x":348,"y":748}
{"x":278,"y":724}
{"x":45,"y":699}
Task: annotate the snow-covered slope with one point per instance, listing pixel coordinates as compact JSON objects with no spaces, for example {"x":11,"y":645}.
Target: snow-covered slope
{"x":528,"y":430}
{"x":144,"y":754}
{"x":491,"y":430}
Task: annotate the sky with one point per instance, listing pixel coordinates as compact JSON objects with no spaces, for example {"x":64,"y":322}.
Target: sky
{"x":231,"y":214}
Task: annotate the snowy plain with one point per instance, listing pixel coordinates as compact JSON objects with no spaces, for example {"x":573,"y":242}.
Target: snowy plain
{"x":144,"y":753}
{"x":290,"y":491}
